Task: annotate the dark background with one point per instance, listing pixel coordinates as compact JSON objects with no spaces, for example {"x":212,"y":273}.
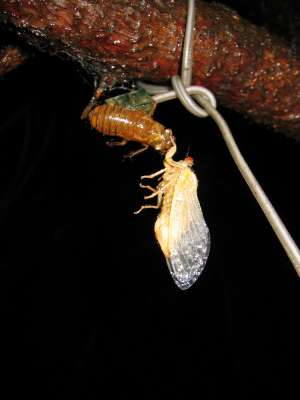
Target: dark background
{"x":87,"y":301}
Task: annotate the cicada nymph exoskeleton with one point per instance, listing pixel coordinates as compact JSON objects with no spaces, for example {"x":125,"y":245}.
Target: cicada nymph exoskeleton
{"x":128,"y":117}
{"x":180,"y":227}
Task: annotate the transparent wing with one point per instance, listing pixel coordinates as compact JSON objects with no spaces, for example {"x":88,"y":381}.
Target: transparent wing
{"x":189,"y":240}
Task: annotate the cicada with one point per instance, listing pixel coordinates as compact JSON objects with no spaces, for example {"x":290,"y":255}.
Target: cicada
{"x":180,"y":228}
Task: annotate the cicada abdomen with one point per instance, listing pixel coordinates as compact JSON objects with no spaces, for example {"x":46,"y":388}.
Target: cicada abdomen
{"x":131,"y":125}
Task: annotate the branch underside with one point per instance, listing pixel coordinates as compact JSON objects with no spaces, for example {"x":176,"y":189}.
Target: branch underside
{"x":248,"y":69}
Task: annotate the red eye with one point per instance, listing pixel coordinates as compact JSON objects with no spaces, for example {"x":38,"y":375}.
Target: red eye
{"x":189,"y":160}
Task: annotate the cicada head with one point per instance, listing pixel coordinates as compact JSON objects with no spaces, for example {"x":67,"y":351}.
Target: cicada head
{"x":189,"y":161}
{"x":165,"y":141}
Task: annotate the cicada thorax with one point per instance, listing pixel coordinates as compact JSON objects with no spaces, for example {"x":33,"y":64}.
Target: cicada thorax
{"x":135,"y":125}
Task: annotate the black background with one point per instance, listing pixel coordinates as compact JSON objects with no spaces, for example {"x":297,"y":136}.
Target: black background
{"x":88,"y":303}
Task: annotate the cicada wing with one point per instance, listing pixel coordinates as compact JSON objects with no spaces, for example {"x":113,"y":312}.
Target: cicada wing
{"x":189,"y":239}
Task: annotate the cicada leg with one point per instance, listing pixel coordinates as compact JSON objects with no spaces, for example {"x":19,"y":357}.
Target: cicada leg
{"x":161,"y":171}
{"x":156,"y":192}
{"x":97,"y":94}
{"x":144,"y":207}
{"x":153,"y":107}
{"x":148,"y":187}
{"x":117,"y":143}
{"x":157,"y":206}
{"x":136,"y":152}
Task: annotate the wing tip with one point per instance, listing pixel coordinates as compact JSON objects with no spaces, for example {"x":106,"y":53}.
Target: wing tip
{"x":185,"y":281}
{"x":184,"y":285}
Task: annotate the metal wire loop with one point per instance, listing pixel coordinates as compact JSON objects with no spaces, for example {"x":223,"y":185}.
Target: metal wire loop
{"x":188,"y":102}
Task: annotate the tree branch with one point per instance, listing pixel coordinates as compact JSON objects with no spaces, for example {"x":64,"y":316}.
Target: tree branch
{"x":249,"y":70}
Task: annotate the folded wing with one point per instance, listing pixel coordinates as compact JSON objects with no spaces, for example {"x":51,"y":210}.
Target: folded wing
{"x":188,"y":234}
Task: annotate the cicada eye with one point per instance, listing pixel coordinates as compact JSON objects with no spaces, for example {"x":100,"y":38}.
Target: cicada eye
{"x":189,"y":160}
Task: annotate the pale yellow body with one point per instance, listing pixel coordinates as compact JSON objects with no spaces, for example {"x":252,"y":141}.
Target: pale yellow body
{"x":172,"y":219}
{"x":180,"y":227}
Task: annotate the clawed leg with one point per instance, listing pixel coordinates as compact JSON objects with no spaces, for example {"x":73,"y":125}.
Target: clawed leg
{"x":143,"y":208}
{"x":161,"y":171}
{"x":153,"y":107}
{"x":116,"y":143}
{"x":136,"y":152}
{"x":148,"y":187}
{"x":159,"y":192}
{"x":87,"y":109}
{"x":154,"y":194}
{"x":157,"y":206}
{"x":97,"y":94}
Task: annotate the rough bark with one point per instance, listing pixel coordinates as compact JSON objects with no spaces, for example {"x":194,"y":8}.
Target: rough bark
{"x":249,"y":70}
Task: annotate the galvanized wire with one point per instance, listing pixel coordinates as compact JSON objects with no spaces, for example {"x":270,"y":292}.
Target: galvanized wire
{"x":187,"y":53}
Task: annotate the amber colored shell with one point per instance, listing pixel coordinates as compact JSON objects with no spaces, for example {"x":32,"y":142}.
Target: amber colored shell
{"x":135,"y":125}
